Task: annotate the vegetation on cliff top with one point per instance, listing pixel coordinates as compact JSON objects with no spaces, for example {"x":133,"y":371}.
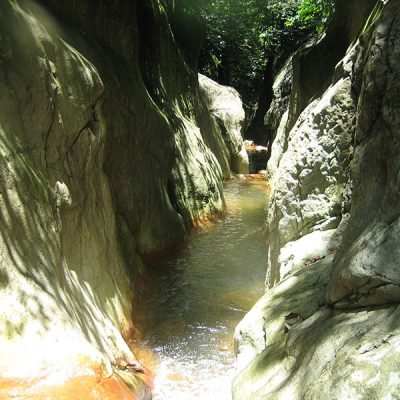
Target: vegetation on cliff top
{"x":242,"y":36}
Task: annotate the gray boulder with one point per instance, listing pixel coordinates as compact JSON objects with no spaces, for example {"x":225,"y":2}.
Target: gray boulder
{"x":225,"y":106}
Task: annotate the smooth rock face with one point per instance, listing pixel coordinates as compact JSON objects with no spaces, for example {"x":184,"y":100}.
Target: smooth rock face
{"x":65,"y":294}
{"x":104,"y":157}
{"x":162,"y":171}
{"x":330,"y":329}
{"x":225,"y":106}
{"x":265,"y":323}
{"x":313,"y":246}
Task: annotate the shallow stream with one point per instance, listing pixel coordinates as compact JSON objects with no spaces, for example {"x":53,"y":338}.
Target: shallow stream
{"x":194,"y":300}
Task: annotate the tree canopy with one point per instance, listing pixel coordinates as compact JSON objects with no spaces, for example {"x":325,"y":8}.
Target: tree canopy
{"x":244,"y":35}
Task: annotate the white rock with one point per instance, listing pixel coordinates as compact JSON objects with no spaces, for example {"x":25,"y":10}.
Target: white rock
{"x":225,"y":106}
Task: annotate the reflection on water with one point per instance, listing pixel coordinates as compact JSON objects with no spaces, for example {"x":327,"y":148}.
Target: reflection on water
{"x":194,"y":301}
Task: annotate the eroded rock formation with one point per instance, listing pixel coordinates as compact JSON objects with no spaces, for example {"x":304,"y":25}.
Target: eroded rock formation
{"x":226,"y":109}
{"x":328,"y":326}
{"x":366,"y":267}
{"x":59,"y":247}
{"x":105,"y":157}
{"x":310,"y":182}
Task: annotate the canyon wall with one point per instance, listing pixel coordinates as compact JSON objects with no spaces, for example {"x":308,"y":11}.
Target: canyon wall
{"x":108,"y":154}
{"x":327,"y":327}
{"x":310,"y":157}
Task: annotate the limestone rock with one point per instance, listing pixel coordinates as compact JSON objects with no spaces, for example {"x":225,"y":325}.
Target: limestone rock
{"x":293,"y":344}
{"x":366,"y":267}
{"x":226,"y":108}
{"x":314,"y":64}
{"x":65,"y":292}
{"x":310,"y":248}
{"x":265,"y":323}
{"x":278,"y":146}
{"x":103,"y":159}
{"x":162,"y":171}
{"x":277,"y":116}
{"x":324,"y":354}
{"x":309,"y":185}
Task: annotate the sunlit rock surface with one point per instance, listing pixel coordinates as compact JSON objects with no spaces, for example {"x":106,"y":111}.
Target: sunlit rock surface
{"x":366,"y":268}
{"x":103,"y":160}
{"x":313,"y":116}
{"x":161,"y":169}
{"x":65,"y":293}
{"x":309,"y":186}
{"x":292,"y":346}
{"x":226,"y":108}
{"x":329,"y":326}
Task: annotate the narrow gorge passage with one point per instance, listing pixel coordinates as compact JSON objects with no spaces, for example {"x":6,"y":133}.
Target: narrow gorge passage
{"x":195,"y":300}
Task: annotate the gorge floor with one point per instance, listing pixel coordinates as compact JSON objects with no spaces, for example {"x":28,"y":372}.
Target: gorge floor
{"x":195,"y":299}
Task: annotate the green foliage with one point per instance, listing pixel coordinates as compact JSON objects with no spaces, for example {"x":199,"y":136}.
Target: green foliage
{"x":313,"y":14}
{"x":243,"y":35}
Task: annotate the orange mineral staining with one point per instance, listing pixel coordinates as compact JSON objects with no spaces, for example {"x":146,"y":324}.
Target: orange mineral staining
{"x":88,"y":387}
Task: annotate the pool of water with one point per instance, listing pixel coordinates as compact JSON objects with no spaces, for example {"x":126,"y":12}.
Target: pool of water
{"x":257,"y":160}
{"x":195,"y":299}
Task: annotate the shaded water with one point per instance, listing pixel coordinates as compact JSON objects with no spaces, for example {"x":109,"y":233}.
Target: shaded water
{"x":194,"y":300}
{"x":257,"y":160}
